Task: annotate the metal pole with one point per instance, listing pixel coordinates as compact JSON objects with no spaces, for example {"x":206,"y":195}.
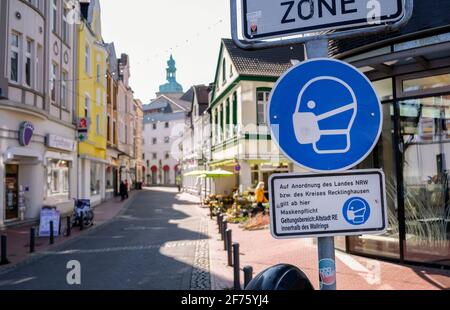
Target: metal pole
{"x":230,"y":247}
{"x":319,"y":49}
{"x":32,"y":239}
{"x":236,"y":269}
{"x":248,"y":275}
{"x":52,"y":233}
{"x":220,"y":220}
{"x":4,"y":257}
{"x":224,"y":234}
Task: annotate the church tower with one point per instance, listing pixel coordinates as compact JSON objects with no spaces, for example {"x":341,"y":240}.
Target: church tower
{"x":172,"y":87}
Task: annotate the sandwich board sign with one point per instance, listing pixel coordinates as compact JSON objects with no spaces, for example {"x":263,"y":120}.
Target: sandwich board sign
{"x":267,"y":19}
{"x":325,"y":205}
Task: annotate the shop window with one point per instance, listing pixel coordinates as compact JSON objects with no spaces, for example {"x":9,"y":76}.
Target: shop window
{"x":384,"y":89}
{"x":383,"y":156}
{"x":427,"y":83}
{"x":96,"y":174}
{"x":109,"y":177}
{"x":58,"y":180}
{"x":426,"y":166}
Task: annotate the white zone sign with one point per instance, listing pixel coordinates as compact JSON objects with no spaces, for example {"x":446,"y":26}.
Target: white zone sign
{"x":266,"y":19}
{"x":326,"y":205}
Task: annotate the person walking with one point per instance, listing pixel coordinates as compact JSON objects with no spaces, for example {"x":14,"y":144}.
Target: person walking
{"x":260,"y":199}
{"x":126,"y":189}
{"x":122,"y":190}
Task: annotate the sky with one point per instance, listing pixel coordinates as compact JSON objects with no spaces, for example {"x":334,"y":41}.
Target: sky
{"x":150,"y":30}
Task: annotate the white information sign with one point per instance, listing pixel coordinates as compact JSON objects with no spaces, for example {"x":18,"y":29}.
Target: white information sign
{"x":265,"y":19}
{"x":335,"y":204}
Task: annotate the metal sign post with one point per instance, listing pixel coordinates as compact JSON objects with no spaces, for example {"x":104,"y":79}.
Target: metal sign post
{"x":325,"y":245}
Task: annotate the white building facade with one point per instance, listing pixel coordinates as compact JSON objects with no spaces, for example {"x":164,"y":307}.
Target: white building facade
{"x":38,"y":155}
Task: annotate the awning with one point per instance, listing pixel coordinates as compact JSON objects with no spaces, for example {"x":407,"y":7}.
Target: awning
{"x":216,"y":174}
{"x":23,"y":155}
{"x":223,"y":163}
{"x":195,"y":173}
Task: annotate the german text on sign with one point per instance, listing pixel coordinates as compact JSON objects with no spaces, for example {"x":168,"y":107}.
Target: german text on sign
{"x":339,"y":204}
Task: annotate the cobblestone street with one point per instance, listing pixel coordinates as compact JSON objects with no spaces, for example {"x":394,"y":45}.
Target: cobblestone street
{"x":159,"y":242}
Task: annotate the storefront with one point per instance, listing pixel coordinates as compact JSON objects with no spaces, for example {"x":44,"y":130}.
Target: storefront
{"x":36,"y":168}
{"x":412,"y":78}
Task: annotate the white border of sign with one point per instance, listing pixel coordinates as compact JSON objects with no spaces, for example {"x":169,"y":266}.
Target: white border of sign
{"x":306,"y":30}
{"x":355,"y":232}
{"x":380,"y":129}
{"x":344,"y":34}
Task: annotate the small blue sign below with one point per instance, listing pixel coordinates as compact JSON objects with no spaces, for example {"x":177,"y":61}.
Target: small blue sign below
{"x":325,"y":115}
{"x":356,"y":211}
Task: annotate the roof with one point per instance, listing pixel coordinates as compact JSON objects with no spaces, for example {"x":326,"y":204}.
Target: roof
{"x":202,"y":93}
{"x":155,"y":105}
{"x":164,"y":117}
{"x":272,"y":62}
{"x":163,"y":101}
{"x":427,"y":16}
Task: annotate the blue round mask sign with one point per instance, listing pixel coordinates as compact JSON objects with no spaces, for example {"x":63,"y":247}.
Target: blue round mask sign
{"x":325,"y":115}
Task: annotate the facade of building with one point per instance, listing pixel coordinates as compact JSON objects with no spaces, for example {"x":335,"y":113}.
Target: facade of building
{"x":163,"y":125}
{"x":126,"y":122}
{"x":196,"y":141}
{"x":38,"y":156}
{"x":241,"y":141}
{"x":112,"y":128}
{"x":139,"y":142}
{"x":91,"y":99}
{"x":411,"y":72}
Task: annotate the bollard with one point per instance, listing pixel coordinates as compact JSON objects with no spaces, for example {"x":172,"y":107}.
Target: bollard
{"x":237,"y":275}
{"x":32,"y":239}
{"x":4,"y":256}
{"x":219,"y":222}
{"x":224,"y":234}
{"x":52,"y":233}
{"x":81,"y":220}
{"x":248,"y":275}
{"x":69,"y":226}
{"x":230,"y":247}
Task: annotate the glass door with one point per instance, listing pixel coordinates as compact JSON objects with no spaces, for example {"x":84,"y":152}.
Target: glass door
{"x":11,"y":192}
{"x":425,"y":131}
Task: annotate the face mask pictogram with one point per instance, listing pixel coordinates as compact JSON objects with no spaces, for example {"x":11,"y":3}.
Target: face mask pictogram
{"x":356,"y":212}
{"x":307,"y":123}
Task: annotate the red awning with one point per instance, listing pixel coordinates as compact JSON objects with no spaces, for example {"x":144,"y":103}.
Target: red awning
{"x":166,"y":168}
{"x":176,"y":168}
{"x":154,"y":169}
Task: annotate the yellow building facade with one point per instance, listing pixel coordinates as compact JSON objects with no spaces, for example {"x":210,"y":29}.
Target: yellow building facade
{"x":91,"y":103}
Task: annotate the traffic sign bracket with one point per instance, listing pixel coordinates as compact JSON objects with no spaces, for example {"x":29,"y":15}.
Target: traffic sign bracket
{"x":322,"y":36}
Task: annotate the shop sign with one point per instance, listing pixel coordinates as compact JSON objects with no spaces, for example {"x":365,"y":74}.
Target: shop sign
{"x":61,"y":143}
{"x":328,"y":205}
{"x":26,"y":133}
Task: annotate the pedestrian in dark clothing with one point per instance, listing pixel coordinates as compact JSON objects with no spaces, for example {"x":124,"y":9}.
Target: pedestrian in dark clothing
{"x":122,"y":190}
